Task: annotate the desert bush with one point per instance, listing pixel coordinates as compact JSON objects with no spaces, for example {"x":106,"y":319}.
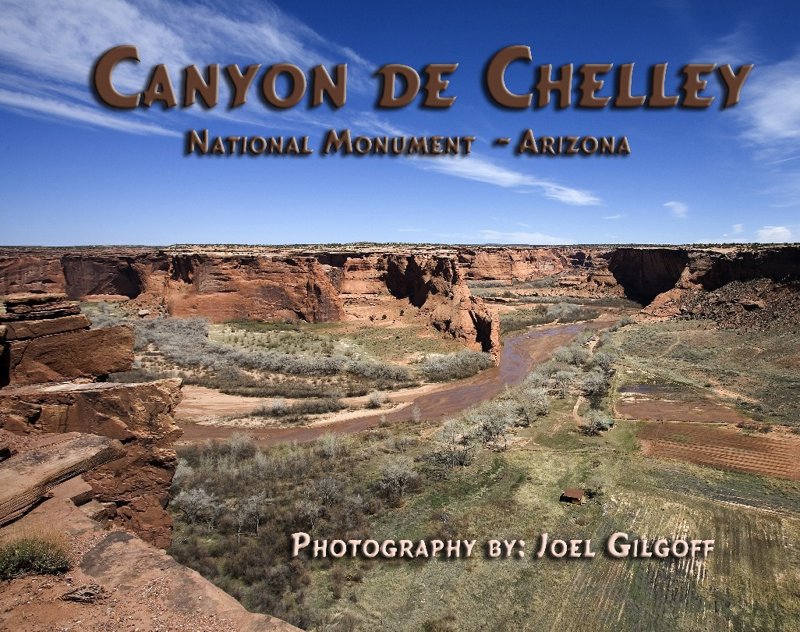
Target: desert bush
{"x":534,"y":402}
{"x":198,"y":506}
{"x":570,"y":312}
{"x":185,"y":341}
{"x":332,"y":445}
{"x":241,"y":446}
{"x":596,"y":421}
{"x":604,"y":361}
{"x":183,"y":474}
{"x":457,"y":444}
{"x":491,"y":421}
{"x":594,"y":383}
{"x":42,"y":553}
{"x":573,"y":354}
{"x":454,"y":366}
{"x":298,"y":410}
{"x":536,"y":379}
{"x":396,"y":477}
{"x":102,"y":315}
{"x":376,"y":399}
{"x":327,"y":490}
{"x":563,"y":381}
{"x":524,"y":318}
{"x":622,"y":322}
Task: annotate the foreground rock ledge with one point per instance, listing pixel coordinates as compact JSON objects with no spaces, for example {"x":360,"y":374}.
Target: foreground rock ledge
{"x":141,"y":587}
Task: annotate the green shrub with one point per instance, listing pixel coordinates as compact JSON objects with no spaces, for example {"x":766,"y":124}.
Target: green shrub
{"x":523,"y":318}
{"x":298,"y":410}
{"x":34,"y":554}
{"x":596,"y":421}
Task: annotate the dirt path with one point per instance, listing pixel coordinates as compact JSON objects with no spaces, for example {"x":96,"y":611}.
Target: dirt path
{"x":581,"y":399}
{"x":518,"y":357}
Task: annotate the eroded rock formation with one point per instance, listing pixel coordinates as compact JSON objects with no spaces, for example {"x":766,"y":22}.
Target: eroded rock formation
{"x":50,"y":361}
{"x":319,"y":285}
{"x":260,"y":284}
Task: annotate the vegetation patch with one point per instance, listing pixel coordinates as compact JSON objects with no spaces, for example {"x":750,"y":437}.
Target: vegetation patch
{"x":41,"y":553}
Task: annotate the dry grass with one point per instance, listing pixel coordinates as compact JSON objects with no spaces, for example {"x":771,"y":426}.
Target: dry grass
{"x":34,"y":552}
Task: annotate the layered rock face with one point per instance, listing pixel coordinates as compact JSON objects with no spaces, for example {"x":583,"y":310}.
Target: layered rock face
{"x":432,"y":283}
{"x":738,"y":288}
{"x":262,"y":284}
{"x":584,"y":271}
{"x":217,"y":286}
{"x":435,"y":286}
{"x":50,"y":361}
{"x":318,"y":285}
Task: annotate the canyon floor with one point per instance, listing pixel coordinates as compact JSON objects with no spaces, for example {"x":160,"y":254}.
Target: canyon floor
{"x":456,"y":392}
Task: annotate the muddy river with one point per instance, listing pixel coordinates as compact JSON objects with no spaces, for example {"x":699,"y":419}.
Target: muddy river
{"x":519,"y":355}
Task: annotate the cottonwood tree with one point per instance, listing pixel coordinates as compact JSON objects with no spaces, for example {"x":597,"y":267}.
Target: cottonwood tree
{"x":246,"y":511}
{"x":197,"y":505}
{"x":534,"y":403}
{"x":563,"y":380}
{"x":493,"y":420}
{"x":395,"y":479}
{"x":457,"y":442}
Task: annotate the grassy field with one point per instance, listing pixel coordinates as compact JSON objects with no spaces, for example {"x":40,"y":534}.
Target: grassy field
{"x":758,"y":371}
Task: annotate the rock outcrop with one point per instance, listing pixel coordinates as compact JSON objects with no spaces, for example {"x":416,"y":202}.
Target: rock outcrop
{"x":50,"y":361}
{"x":434,"y":285}
{"x":748,"y":287}
{"x":319,"y":285}
{"x":263,"y":284}
{"x":584,"y":271}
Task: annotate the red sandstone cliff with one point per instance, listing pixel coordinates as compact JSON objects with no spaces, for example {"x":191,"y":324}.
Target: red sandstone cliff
{"x":259,"y":284}
{"x":48,"y":366}
{"x":317,"y":285}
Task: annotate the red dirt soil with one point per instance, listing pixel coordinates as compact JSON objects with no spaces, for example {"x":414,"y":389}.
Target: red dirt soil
{"x":723,"y":448}
{"x":668,"y":402}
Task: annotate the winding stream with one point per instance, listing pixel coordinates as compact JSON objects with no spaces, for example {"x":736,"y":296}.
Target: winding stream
{"x":519,"y":355}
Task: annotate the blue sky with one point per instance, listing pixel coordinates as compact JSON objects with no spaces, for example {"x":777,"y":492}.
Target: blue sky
{"x":73,"y":172}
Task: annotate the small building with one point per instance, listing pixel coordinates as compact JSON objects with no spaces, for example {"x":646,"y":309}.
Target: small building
{"x":573,"y":495}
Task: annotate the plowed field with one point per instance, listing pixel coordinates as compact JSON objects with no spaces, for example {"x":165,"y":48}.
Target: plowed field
{"x":724,"y":448}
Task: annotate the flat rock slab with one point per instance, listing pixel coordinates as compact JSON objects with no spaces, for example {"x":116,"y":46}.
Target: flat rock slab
{"x":66,"y":356}
{"x":25,"y":329}
{"x":121,"y":411}
{"x":123,"y":562}
{"x":30,"y":298}
{"x":120,"y":582}
{"x":26,"y":478}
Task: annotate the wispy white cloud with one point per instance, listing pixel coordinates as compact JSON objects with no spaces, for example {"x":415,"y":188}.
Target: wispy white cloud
{"x":47,"y":48}
{"x":678,"y":209}
{"x":771,"y":109}
{"x":520,"y":237}
{"x":51,"y":45}
{"x":735,"y":48}
{"x":737,"y":229}
{"x":774,"y":234}
{"x":51,"y":107}
{"x":481,"y":169}
{"x":612,"y":217}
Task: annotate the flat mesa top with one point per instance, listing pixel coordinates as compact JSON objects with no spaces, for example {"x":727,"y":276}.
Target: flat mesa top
{"x":573,"y":492}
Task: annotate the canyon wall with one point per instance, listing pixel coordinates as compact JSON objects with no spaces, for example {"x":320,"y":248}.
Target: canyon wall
{"x":258,"y":284}
{"x":667,"y":281}
{"x":320,"y":285}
